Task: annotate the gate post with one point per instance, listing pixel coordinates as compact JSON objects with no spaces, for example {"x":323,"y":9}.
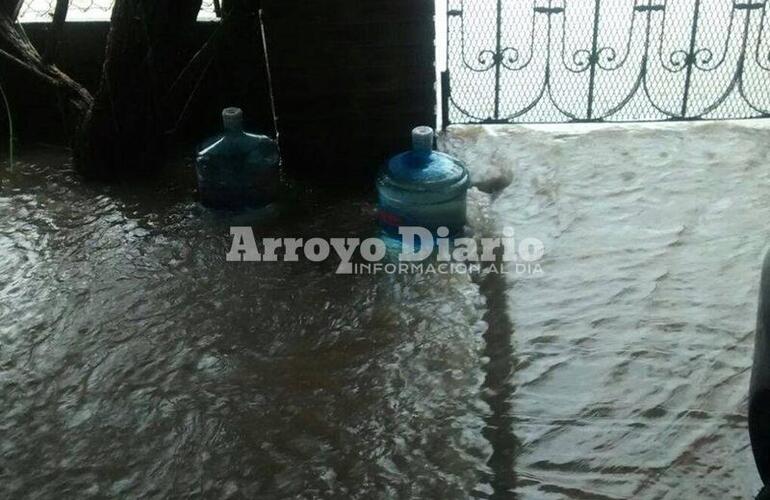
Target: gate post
{"x":445,"y":89}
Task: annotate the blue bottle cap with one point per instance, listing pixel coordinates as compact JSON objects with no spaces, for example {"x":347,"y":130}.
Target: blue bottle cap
{"x":424,"y":170}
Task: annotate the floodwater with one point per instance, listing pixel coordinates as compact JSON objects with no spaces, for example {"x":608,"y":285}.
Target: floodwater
{"x":136,"y":361}
{"x":632,"y":351}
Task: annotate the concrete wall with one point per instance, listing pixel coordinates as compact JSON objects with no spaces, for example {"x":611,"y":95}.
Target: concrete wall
{"x":351,"y":78}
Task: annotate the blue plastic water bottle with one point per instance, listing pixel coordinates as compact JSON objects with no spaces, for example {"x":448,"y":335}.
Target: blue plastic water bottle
{"x":422,"y":187}
{"x":238,"y":170}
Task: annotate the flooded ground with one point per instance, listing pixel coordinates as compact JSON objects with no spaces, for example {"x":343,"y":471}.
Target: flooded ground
{"x":633,"y":349}
{"x":134,"y":361}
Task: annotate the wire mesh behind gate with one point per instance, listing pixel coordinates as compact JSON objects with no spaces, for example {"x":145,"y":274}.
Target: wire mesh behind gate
{"x":546,"y":61}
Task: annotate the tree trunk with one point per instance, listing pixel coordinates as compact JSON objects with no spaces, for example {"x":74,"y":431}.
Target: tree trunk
{"x":10,"y":8}
{"x":124,"y":132}
{"x":19,"y":57}
{"x":56,"y":30}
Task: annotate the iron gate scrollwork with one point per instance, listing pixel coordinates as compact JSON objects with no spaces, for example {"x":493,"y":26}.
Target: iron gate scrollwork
{"x":529,"y":61}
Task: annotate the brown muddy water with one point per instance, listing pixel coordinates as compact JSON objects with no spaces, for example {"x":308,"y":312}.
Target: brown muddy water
{"x":136,"y":362}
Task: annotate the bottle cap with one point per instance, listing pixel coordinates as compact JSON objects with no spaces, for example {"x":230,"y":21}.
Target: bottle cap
{"x":232,"y":118}
{"x":422,"y":139}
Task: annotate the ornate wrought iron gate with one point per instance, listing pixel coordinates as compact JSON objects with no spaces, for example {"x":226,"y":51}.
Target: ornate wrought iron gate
{"x":529,"y":61}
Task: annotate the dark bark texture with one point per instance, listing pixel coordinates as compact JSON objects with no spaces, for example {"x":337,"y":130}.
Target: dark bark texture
{"x":20,"y":60}
{"x":56,"y":30}
{"x":148,"y":46}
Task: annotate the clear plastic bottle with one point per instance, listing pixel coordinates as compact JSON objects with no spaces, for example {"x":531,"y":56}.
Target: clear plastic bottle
{"x":236,"y":169}
{"x":422,"y":187}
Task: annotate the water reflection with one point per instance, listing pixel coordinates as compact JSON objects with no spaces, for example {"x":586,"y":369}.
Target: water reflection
{"x":134,"y":361}
{"x":499,"y":389}
{"x":633,"y":348}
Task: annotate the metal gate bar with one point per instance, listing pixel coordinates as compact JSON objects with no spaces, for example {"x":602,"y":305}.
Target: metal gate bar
{"x":550,"y":61}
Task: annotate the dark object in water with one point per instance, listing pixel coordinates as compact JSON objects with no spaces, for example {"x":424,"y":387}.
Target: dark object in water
{"x":237,"y":169}
{"x":759,"y":392}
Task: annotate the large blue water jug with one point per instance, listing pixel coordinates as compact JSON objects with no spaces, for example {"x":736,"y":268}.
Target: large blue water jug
{"x":236,"y":169}
{"x":422,"y":187}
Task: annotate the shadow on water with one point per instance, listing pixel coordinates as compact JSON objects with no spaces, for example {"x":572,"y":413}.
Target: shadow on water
{"x":759,"y":393}
{"x":499,"y":389}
